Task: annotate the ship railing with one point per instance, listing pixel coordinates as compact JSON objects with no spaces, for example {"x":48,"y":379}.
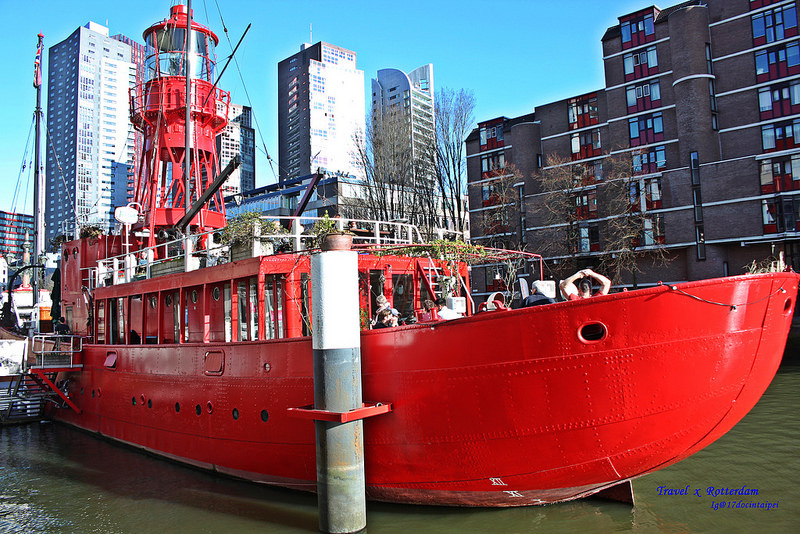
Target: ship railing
{"x":56,"y":350}
{"x":287,"y":234}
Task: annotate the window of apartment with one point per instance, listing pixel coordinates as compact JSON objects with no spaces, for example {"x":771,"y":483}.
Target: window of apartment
{"x":652,"y":193}
{"x":780,"y":174}
{"x":777,"y":62}
{"x":588,"y":238}
{"x":586,"y":204}
{"x":649,"y":160}
{"x":646,"y":129}
{"x":779,"y":100}
{"x":585,"y":144}
{"x":652,"y":230}
{"x":642,"y":63}
{"x":774,"y":25}
{"x":489,"y":194}
{"x":781,"y":135}
{"x":491,"y":163}
{"x":641,"y":97}
{"x":583,"y":111}
{"x":645,"y":195}
{"x":780,"y":214}
{"x":636,"y":30}
{"x":491,"y":135}
{"x":700,"y":241}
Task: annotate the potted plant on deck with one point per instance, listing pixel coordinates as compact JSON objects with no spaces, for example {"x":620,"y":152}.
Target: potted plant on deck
{"x":249,"y":235}
{"x":329,"y":236}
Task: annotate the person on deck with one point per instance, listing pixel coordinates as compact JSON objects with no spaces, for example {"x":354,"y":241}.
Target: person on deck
{"x":537,"y":297}
{"x":579,"y":285}
{"x":62,"y":328}
{"x":383,"y":304}
{"x":384,"y":319}
{"x":445,"y":312}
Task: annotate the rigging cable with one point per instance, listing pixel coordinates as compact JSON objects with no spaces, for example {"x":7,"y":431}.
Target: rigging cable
{"x":247,"y":95}
{"x":22,"y":170}
{"x":60,"y":172}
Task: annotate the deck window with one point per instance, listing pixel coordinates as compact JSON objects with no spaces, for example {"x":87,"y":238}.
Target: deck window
{"x":247,"y":309}
{"x":218,"y":312}
{"x":135,"y":330}
{"x":273,"y":308}
{"x":228,"y":307}
{"x":194,"y":321}
{"x":100,"y":321}
{"x":403,"y":294}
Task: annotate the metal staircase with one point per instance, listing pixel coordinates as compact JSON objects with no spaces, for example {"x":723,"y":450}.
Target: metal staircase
{"x":28,"y":384}
{"x":432,"y":277}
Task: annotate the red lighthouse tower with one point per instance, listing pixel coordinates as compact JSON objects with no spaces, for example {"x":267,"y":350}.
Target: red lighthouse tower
{"x":158,"y":109}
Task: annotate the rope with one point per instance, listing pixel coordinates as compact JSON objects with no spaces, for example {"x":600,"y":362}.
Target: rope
{"x":247,"y":94}
{"x":731,"y":306}
{"x":23,"y":166}
{"x":61,"y":172}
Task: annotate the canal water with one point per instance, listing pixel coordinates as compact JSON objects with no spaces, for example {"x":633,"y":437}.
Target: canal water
{"x":56,"y":479}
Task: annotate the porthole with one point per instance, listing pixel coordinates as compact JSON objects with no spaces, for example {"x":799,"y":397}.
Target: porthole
{"x":177,"y":407}
{"x":592,"y":332}
{"x":92,"y":393}
{"x":235,"y":414}
{"x":168,"y":300}
{"x":75,"y":253}
{"x":264,"y":415}
{"x":215,"y":293}
{"x":198,"y":410}
{"x":81,"y":391}
{"x":787,"y":306}
{"x":133,"y":401}
{"x":149,"y":403}
{"x":153,"y":302}
{"x":210,"y":407}
{"x":194,"y":295}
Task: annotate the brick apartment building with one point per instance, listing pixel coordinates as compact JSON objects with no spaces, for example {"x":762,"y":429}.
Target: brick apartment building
{"x":702,"y":100}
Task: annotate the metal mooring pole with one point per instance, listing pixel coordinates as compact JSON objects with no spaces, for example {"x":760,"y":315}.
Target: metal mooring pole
{"x":337,"y":388}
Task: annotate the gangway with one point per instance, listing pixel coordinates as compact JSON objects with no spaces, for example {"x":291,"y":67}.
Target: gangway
{"x":28,"y":375}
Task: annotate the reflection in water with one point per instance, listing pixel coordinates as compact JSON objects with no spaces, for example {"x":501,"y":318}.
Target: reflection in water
{"x":56,"y":479}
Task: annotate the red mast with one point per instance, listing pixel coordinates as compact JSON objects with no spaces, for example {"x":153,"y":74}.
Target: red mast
{"x":158,"y":110}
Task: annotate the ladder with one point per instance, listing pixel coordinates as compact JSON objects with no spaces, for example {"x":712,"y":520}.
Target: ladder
{"x":27,"y":386}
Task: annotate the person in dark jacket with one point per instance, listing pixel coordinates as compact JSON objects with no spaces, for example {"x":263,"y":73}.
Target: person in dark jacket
{"x":536,"y":298}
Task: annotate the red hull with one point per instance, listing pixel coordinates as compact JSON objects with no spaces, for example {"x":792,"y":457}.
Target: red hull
{"x":504,"y":408}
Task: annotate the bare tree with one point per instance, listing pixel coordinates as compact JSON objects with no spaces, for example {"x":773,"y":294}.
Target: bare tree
{"x":500,"y":199}
{"x":581,"y":207}
{"x":632,"y":234}
{"x":455,"y":117}
{"x":395,"y":185}
{"x":561,"y":180}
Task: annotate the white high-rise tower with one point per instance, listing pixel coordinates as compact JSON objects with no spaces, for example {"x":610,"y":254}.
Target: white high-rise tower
{"x":320,"y":111}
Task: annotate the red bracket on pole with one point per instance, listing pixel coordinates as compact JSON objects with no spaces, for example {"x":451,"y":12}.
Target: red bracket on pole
{"x":366,"y":410}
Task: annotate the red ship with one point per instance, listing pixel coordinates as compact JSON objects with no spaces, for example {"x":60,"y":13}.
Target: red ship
{"x":205,"y":365}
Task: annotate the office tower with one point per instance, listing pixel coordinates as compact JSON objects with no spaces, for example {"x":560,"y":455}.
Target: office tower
{"x":701,"y":102}
{"x":320,"y":111}
{"x":412,"y":94}
{"x":88,"y":130}
{"x":238,"y":138}
{"x":137,"y":139}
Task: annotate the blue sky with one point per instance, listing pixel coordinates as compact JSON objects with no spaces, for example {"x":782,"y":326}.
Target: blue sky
{"x":513,"y":54}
